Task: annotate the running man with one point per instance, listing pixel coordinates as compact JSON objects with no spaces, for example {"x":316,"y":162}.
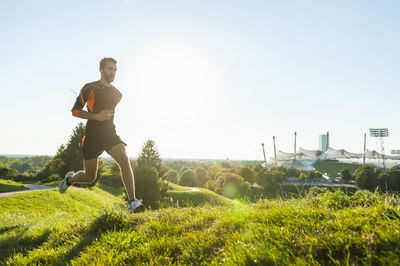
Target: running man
{"x":101,"y":98}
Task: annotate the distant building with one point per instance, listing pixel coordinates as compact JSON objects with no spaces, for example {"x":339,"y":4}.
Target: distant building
{"x":324,"y":142}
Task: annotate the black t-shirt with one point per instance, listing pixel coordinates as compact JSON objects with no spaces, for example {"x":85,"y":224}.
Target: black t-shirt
{"x":97,"y":98}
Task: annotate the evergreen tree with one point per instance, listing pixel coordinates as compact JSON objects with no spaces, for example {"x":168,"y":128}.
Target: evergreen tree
{"x":149,"y":186}
{"x":150,"y":156}
{"x":69,"y":157}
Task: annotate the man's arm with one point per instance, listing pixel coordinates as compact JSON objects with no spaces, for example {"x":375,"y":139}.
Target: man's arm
{"x":86,"y":95}
{"x":103,"y":115}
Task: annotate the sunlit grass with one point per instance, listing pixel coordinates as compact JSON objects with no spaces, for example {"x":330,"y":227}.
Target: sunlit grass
{"x":91,"y":227}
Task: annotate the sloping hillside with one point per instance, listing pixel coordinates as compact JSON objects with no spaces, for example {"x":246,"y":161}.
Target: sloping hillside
{"x":91,"y":227}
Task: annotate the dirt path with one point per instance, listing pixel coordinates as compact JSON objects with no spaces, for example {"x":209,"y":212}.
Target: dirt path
{"x":32,"y":187}
{"x":193,"y":189}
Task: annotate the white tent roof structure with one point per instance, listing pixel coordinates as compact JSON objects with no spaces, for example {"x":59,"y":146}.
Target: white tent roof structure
{"x":304,"y":159}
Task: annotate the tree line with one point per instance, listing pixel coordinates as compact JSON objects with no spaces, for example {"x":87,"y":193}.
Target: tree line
{"x":232,"y":179}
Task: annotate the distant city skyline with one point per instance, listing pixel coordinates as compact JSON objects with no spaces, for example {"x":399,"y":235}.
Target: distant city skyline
{"x":204,"y":79}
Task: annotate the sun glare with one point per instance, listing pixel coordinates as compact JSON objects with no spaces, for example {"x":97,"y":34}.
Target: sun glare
{"x":176,"y":79}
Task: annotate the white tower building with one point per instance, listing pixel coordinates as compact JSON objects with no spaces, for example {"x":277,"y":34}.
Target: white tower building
{"x":324,"y":142}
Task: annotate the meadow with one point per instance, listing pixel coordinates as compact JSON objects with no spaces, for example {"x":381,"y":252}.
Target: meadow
{"x":91,"y":226}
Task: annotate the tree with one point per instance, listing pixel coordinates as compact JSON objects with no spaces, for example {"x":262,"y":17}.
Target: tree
{"x":231,"y":185}
{"x":247,"y":173}
{"x":149,"y":155}
{"x":189,"y":179}
{"x":345,"y":175}
{"x":389,"y":181}
{"x":7,"y":173}
{"x":314,"y":175}
{"x":148,"y":185}
{"x":201,"y":176}
{"x":172,"y":176}
{"x":69,"y":157}
{"x":114,"y":169}
{"x":214,"y":171}
{"x":212,"y":185}
{"x":366,"y":177}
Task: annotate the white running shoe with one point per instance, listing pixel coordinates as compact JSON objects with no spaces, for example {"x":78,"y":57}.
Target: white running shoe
{"x":62,"y":187}
{"x":135,"y":206}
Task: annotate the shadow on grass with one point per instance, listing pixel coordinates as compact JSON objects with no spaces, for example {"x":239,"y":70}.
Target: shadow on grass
{"x":103,"y":224}
{"x":8,"y":228}
{"x":20,"y":243}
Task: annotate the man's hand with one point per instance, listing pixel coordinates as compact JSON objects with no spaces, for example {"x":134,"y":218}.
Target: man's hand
{"x":104,"y":115}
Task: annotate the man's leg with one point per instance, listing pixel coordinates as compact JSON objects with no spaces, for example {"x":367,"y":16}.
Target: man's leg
{"x":87,"y":176}
{"x":119,"y":155}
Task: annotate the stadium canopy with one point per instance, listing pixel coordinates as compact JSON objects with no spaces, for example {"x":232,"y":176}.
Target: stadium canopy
{"x":304,"y":159}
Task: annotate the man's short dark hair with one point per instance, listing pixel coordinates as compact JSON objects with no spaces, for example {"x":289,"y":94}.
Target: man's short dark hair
{"x":107,"y":59}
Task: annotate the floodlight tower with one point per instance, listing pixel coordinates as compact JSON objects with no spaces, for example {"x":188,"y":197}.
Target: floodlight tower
{"x":380,"y":133}
{"x":274,"y":150}
{"x":365,"y":146}
{"x":327,"y":140}
{"x":265,"y":160}
{"x":295,"y":134}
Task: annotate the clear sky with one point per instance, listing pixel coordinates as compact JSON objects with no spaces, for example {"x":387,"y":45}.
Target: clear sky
{"x":204,"y":79}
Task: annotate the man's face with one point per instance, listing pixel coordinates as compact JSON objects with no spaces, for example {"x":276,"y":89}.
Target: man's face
{"x":108,"y":71}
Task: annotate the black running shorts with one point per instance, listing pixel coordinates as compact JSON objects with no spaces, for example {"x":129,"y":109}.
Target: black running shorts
{"x":94,"y":146}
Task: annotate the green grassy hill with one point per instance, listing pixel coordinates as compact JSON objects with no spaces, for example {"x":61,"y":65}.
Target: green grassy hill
{"x":91,"y":227}
{"x":187,"y":196}
{"x":9,"y":186}
{"x":333,"y":168}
